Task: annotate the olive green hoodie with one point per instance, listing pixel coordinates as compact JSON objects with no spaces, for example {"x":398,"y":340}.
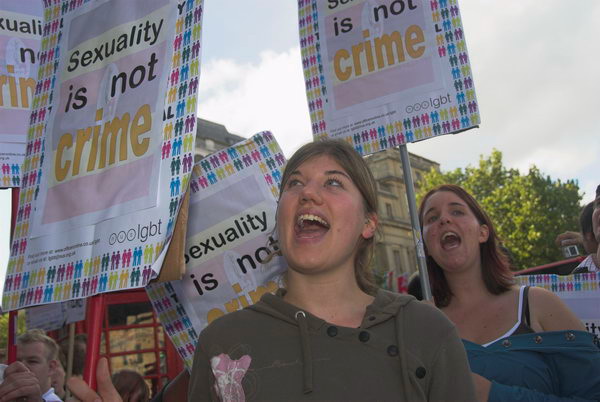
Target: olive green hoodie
{"x":404,"y":350}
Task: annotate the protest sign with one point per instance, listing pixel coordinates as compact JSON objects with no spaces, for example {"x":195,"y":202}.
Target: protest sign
{"x":174,"y":258}
{"x":381,"y":73}
{"x":579,"y":292}
{"x":229,"y":239}
{"x":20,"y":35}
{"x":115,"y":124}
{"x":103,"y":132}
{"x":12,"y":155}
{"x":56,"y":315}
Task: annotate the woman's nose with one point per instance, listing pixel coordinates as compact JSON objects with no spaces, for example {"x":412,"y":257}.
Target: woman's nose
{"x":311,"y":192}
{"x":444,"y":219}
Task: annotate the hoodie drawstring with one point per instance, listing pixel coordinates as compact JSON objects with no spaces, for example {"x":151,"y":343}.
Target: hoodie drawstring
{"x":307,"y":368}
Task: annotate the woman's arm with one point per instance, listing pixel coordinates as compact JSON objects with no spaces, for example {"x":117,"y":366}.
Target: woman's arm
{"x":549,"y":312}
{"x":502,"y":393}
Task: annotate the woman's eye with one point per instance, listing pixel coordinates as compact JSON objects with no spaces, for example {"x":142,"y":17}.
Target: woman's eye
{"x":333,"y":182}
{"x":431,"y":218}
{"x":293,"y":183}
{"x":457,"y":213}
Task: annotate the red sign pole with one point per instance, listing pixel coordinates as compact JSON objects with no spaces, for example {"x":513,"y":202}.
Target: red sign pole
{"x":93,"y":321}
{"x":12,"y":337}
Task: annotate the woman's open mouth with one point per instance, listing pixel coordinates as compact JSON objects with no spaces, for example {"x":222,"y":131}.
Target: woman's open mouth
{"x":450,"y":240}
{"x":310,"y":226}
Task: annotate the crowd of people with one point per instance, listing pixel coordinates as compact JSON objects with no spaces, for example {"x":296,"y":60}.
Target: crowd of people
{"x":331,"y":334}
{"x":39,"y":374}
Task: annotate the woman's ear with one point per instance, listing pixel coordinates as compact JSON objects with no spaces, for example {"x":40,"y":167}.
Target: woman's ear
{"x":370,"y":226}
{"x":484,"y":233}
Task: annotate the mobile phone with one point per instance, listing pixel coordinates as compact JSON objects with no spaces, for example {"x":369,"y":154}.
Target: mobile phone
{"x":570,"y":251}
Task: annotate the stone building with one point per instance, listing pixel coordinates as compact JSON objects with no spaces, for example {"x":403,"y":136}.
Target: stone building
{"x":211,"y":137}
{"x":395,"y":248}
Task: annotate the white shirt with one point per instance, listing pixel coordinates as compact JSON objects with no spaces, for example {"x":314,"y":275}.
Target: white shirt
{"x":587,"y":263}
{"x":50,"y":396}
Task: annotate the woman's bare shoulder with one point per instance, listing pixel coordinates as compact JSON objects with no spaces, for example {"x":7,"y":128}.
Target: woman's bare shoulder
{"x":550,"y":313}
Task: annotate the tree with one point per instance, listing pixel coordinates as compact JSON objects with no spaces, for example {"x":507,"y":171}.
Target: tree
{"x":528,"y":210}
{"x":4,"y":329}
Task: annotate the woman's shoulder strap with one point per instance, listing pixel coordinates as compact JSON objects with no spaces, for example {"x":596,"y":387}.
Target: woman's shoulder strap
{"x":525,"y":315}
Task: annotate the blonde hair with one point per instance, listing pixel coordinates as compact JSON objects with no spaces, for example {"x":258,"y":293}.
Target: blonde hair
{"x":38,"y":335}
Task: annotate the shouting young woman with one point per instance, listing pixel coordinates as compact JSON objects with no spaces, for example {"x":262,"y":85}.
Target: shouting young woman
{"x":330,"y":334}
{"x":523,"y":343}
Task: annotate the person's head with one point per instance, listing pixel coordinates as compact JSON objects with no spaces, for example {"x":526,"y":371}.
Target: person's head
{"x":327,"y":212}
{"x":459,"y":236}
{"x":131,"y":386}
{"x":596,"y":215}
{"x":79,"y":351}
{"x":414,"y":286}
{"x":590,"y":245}
{"x":39,"y":353}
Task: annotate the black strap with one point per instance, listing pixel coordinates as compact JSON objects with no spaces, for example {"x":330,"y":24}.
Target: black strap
{"x":525,"y":317}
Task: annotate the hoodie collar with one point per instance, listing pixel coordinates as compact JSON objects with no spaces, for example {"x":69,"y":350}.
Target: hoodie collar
{"x":384,"y":306}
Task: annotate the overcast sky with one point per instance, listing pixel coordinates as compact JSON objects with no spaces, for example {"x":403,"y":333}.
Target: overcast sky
{"x":535,"y":64}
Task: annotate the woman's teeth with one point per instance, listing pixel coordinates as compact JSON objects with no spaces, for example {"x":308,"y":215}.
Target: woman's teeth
{"x":311,"y":218}
{"x":450,"y":240}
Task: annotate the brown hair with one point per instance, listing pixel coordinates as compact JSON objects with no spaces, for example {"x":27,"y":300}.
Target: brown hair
{"x":38,"y":335}
{"x":362,"y":178}
{"x":131,"y":386}
{"x":585,"y":219}
{"x":495,"y":265}
{"x":79,"y":352}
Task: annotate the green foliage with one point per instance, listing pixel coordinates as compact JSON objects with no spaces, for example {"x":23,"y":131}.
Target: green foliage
{"x":528,"y":210}
{"x":4,"y":328}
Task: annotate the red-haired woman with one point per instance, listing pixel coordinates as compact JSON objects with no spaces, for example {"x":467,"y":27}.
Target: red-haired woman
{"x":523,"y":343}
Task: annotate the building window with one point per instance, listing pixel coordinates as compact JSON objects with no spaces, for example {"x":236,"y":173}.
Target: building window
{"x":385,"y":187}
{"x":210,"y":145}
{"x":397,"y":261}
{"x":388,"y":210}
{"x":412,"y":258}
{"x":381,"y":260}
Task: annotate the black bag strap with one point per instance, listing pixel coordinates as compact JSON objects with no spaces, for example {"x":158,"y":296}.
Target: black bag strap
{"x":525,"y":316}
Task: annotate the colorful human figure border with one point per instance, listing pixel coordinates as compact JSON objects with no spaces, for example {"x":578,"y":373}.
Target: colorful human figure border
{"x":120,"y":267}
{"x":260,"y":151}
{"x":451,"y":47}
